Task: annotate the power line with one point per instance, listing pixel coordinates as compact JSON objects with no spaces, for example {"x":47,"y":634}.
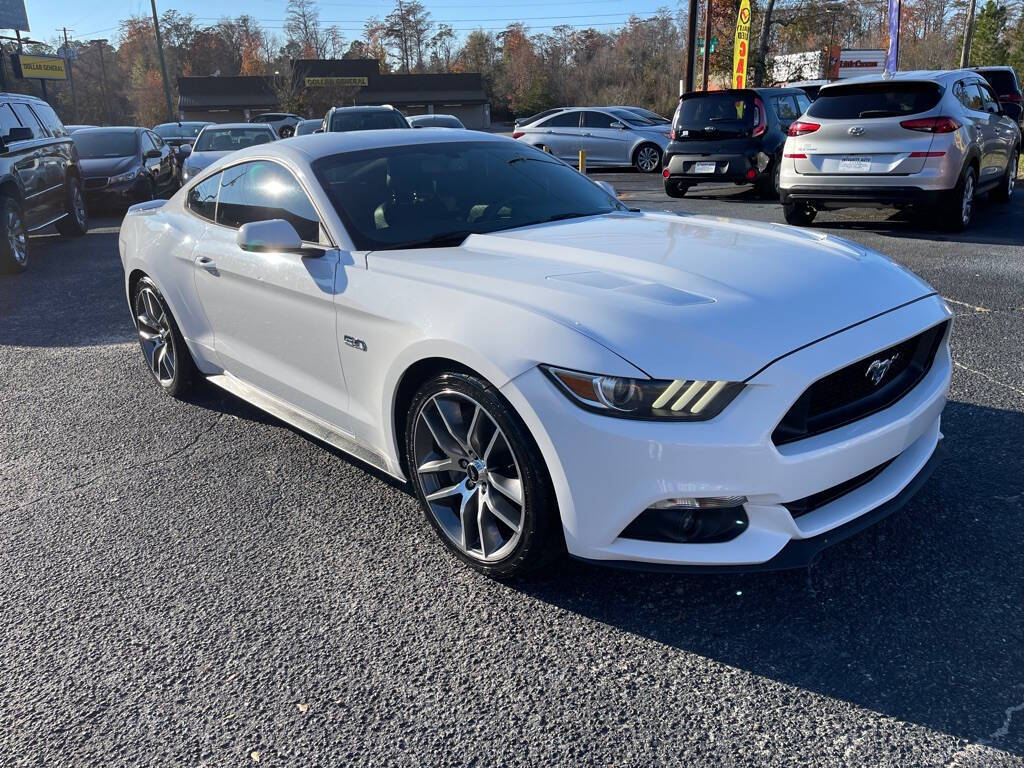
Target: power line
{"x":445,"y":21}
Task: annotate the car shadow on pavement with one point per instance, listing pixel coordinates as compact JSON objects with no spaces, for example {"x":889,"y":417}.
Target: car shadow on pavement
{"x":918,"y":618}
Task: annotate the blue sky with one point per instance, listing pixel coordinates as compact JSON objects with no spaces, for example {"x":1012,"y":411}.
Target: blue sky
{"x":99,"y":18}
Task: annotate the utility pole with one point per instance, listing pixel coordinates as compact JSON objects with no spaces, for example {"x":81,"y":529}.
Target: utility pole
{"x":965,"y":52}
{"x":707,"y":43}
{"x":405,"y":38}
{"x":103,"y":79}
{"x":71,"y":75}
{"x":163,"y":64}
{"x":691,"y":47}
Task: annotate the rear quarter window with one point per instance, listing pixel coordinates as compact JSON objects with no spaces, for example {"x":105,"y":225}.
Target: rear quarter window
{"x":864,"y":101}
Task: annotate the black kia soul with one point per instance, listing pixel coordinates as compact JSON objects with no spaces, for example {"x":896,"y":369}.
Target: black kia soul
{"x":731,"y":136}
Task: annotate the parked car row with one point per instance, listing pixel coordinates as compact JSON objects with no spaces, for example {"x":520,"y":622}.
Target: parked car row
{"x":930,"y":140}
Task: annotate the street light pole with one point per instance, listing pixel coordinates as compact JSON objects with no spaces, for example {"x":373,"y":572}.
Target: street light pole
{"x":71,"y":75}
{"x":163,"y":64}
{"x":691,"y":47}
{"x":707,"y":44}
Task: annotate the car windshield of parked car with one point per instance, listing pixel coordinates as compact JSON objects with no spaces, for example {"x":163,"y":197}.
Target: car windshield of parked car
{"x":705,"y":115}
{"x":93,"y":145}
{"x":230,"y":139}
{"x":438,"y":194}
{"x":367,"y":121}
{"x":654,"y":117}
{"x":864,"y":101}
{"x":631,"y":118}
{"x":179,"y":130}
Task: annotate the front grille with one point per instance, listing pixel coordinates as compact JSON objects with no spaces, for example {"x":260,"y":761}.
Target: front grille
{"x":850,"y":393}
{"x":821,"y":498}
{"x":96,"y":182}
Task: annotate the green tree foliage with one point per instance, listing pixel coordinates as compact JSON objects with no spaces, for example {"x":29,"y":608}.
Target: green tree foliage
{"x":988,"y":46}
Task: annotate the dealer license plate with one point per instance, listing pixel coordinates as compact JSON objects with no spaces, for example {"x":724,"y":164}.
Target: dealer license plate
{"x":854,"y":164}
{"x":703,"y":167}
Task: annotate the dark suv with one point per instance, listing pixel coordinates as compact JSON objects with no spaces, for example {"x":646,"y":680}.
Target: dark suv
{"x":341,"y":119}
{"x":1004,"y":82}
{"x":731,"y":136}
{"x":39,"y":177}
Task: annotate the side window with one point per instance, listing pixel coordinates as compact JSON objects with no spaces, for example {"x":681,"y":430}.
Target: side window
{"x":202,"y":198}
{"x":974,"y":99}
{"x":262,"y":190}
{"x":597,"y":120}
{"x":157,"y":141}
{"x":563,"y":120}
{"x":988,"y":98}
{"x":7,"y":120}
{"x":146,"y":142}
{"x":28,"y":119}
{"x":802,"y":103}
{"x":785,"y":108}
{"x":49,"y":118}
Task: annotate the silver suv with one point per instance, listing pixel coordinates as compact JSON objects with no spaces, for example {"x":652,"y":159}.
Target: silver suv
{"x":930,"y":139}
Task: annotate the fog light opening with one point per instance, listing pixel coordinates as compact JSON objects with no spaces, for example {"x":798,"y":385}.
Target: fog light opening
{"x":690,"y":521}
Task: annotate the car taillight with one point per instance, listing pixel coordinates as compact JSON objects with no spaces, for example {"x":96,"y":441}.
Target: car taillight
{"x":799,"y":128}
{"x":517,"y":134}
{"x":762,"y":118}
{"x":796,"y":155}
{"x":1014,"y":97}
{"x":932,"y":125}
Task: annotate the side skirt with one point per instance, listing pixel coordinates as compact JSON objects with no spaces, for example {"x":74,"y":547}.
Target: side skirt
{"x":302,"y":421}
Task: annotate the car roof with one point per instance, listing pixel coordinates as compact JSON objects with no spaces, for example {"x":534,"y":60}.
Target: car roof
{"x":367,"y":108}
{"x":185,"y":122}
{"x":994,"y":69}
{"x":250,"y":126}
{"x":317,"y":145}
{"x":918,"y":75}
{"x":112,"y":129}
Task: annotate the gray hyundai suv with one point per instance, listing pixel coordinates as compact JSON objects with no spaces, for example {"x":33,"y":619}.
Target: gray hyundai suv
{"x":927,"y":139}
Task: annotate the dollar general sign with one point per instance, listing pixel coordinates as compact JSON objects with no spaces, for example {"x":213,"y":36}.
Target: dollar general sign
{"x":741,"y":46}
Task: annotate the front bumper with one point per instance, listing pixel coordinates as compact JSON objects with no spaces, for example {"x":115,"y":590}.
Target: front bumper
{"x":606,"y":471}
{"x":123,"y":193}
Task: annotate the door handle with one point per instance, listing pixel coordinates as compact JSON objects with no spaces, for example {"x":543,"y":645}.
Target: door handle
{"x":206,"y":263}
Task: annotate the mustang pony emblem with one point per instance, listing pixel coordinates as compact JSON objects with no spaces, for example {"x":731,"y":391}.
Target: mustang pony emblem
{"x":878,"y":368}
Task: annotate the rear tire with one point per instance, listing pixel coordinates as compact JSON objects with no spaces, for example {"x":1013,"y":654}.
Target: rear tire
{"x":959,"y":203}
{"x":163,"y":347}
{"x":464,"y":442}
{"x":1004,"y":191}
{"x":798,"y":213}
{"x":76,"y":223}
{"x":676,"y":189}
{"x":14,"y":238}
{"x":768,"y":186}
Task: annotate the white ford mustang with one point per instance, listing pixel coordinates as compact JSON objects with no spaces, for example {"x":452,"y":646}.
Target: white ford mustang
{"x":551,"y":370}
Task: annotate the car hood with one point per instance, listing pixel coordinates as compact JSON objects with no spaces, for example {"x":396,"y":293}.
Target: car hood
{"x":678,"y":296}
{"x":107,"y":166}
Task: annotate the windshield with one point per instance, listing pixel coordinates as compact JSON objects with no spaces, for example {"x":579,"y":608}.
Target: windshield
{"x":307,"y":126}
{"x":230,"y":139}
{"x":438,"y":194}
{"x":367,"y":121}
{"x":92,"y":145}
{"x":179,"y":130}
{"x":1002,"y":80}
{"x":631,"y":118}
{"x":654,"y":117}
{"x":714,"y":115}
{"x":868,"y":100}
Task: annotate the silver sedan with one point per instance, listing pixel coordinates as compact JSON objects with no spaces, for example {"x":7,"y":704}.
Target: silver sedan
{"x":611,"y":137}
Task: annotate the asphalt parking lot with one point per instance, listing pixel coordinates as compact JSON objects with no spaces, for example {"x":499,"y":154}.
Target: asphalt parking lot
{"x":197,"y":584}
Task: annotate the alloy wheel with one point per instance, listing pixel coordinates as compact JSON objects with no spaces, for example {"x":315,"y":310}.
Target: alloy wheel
{"x":78,"y":206}
{"x":17,"y":237}
{"x":154,"y":328}
{"x":469,"y":475}
{"x":1012,"y":174}
{"x":647,"y":159}
{"x":967,"y":204}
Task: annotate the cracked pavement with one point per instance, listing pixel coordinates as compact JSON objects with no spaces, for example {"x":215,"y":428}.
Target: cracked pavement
{"x":194,"y":583}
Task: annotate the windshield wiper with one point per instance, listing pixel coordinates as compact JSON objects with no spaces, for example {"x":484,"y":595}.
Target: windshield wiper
{"x":440,"y":240}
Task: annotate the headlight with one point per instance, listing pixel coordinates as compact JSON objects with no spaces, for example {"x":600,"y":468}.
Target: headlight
{"x":652,"y":399}
{"x":188,"y":171}
{"x":123,"y":177}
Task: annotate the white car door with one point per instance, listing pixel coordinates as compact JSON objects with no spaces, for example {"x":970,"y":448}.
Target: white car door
{"x":273,"y":314}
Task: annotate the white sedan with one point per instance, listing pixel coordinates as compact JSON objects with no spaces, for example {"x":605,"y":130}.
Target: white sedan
{"x":551,"y":370}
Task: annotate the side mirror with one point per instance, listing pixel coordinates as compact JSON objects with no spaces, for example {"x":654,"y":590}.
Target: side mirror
{"x":272,"y":235}
{"x":607,"y":187}
{"x":617,"y":124}
{"x":184,"y":150}
{"x":151,"y":153}
{"x":20,"y":133}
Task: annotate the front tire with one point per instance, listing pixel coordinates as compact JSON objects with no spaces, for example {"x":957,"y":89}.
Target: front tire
{"x":163,"y":347}
{"x":14,"y":240}
{"x":480,"y":477}
{"x":798,"y":213}
{"x":1004,"y":192}
{"x":76,"y":223}
{"x":647,"y":158}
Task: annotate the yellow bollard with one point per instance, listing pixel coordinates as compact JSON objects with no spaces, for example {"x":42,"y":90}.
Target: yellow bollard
{"x":583,"y":161}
